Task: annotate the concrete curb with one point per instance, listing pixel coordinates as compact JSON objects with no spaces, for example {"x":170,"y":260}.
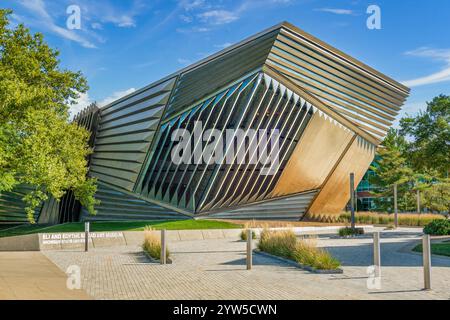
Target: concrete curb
{"x":153,"y":260}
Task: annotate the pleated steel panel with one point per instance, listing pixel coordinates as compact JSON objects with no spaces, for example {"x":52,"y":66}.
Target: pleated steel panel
{"x":12,"y":207}
{"x":118,"y":205}
{"x":125,"y":132}
{"x":361,"y":94}
{"x":289,"y":208}
{"x":256,"y":102}
{"x":196,"y":83}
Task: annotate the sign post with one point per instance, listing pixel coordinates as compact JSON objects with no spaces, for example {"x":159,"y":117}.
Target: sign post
{"x":352,"y":199}
{"x":418,"y":201}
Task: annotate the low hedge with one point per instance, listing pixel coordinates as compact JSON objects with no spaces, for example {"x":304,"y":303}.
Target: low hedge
{"x":438,"y":228}
{"x":348,"y":231}
{"x":404,"y":219}
{"x":243,"y":234}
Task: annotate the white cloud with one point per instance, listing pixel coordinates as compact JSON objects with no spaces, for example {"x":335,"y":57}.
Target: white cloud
{"x":218,"y":14}
{"x":410,"y":108}
{"x":218,"y":17}
{"x":96,"y":26}
{"x":336,"y":11}
{"x":189,"y":5}
{"x":442,"y":55}
{"x":223,"y":45}
{"x":105,"y":12}
{"x":193,"y":29}
{"x":184,"y":61}
{"x":44,"y":20}
{"x":84,"y":100}
{"x":123,"y":21}
{"x":185,"y":18}
{"x":116,"y":95}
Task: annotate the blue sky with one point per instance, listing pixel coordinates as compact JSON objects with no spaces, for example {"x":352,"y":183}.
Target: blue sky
{"x":126,"y":44}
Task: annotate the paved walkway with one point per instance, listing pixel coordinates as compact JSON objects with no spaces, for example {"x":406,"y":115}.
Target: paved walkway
{"x":31,"y":276}
{"x":215,"y":269}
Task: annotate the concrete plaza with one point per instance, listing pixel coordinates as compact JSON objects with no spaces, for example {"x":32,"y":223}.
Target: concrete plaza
{"x":215,"y":269}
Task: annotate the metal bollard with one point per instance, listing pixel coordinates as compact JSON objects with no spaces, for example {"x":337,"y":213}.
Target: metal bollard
{"x":86,"y":236}
{"x":163,"y":247}
{"x":426,"y":250}
{"x":377,"y":253}
{"x":249,"y":249}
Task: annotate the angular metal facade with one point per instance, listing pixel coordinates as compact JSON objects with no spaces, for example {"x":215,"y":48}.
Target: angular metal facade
{"x":329,"y":110}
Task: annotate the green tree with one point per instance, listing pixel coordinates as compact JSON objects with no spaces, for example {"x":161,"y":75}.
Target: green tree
{"x":38,"y":145}
{"x":429,"y":132}
{"x":434,"y":191}
{"x":437,"y":196}
{"x":391,"y":168}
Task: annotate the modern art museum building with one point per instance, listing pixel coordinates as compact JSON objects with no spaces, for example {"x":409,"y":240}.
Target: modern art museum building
{"x":327,"y":111}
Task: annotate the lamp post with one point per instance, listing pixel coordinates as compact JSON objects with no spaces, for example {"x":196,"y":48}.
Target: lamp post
{"x":418,"y":201}
{"x":395,"y":206}
{"x":352,"y":199}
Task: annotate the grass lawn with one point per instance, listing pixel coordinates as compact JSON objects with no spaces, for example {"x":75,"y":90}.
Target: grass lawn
{"x":120,"y":226}
{"x":442,"y":249}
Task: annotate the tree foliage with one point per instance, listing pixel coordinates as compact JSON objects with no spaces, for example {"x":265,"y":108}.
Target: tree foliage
{"x":429,"y":131}
{"x":391,"y":168}
{"x":38,"y":145}
{"x":419,"y":162}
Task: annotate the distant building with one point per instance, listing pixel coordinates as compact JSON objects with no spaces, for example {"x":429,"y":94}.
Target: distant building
{"x":365,"y":200}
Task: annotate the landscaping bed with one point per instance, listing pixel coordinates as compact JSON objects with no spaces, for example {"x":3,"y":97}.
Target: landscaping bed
{"x":404,"y":219}
{"x":303,"y":252}
{"x":378,"y":218}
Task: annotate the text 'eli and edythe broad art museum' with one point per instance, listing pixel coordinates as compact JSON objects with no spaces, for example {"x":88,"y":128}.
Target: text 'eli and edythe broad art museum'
{"x":269,"y":128}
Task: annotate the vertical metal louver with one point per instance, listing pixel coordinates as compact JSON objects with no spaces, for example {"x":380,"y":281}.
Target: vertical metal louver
{"x":255,"y":105}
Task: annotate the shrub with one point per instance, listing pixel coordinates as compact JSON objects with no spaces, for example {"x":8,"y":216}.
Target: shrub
{"x":284,"y":244}
{"x":152,"y":244}
{"x":244,"y":234}
{"x":348,"y":231}
{"x":307,"y":253}
{"x":280,"y":243}
{"x":438,"y":228}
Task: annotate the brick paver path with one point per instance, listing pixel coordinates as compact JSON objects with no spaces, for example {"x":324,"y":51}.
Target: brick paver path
{"x":215,"y":269}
